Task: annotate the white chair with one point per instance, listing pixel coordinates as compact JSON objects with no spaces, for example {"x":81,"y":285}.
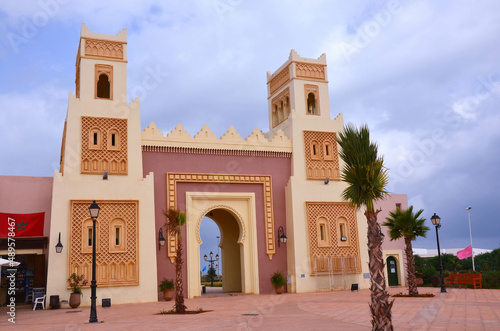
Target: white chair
{"x":40,"y":300}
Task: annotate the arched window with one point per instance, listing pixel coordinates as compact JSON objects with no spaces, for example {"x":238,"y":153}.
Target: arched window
{"x":87,"y":233}
{"x":95,"y":139}
{"x":117,"y":236}
{"x":113,"y":140}
{"x":327,"y":151}
{"x":287,"y":107}
{"x":315,"y":152}
{"x":311,"y":104}
{"x":103,"y":87}
{"x":323,"y":232}
{"x":343,"y":231}
{"x":275,"y":115}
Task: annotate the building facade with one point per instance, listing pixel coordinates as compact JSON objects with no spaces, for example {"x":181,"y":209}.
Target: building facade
{"x":286,"y":181}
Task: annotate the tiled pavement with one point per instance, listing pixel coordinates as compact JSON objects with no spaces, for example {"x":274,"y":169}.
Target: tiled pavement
{"x":459,"y":309}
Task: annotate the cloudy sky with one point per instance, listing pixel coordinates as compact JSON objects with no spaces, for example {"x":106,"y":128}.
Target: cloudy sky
{"x":424,"y":75}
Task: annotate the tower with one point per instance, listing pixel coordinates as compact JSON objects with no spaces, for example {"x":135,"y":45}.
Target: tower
{"x":101,"y":159}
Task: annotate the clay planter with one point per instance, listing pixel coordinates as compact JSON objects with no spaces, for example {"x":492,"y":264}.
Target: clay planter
{"x":280,"y":289}
{"x":169,"y":294}
{"x":420,"y":281}
{"x":74,"y":300}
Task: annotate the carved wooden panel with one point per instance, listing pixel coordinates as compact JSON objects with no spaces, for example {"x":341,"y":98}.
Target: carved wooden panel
{"x":98,"y":160}
{"x":174,"y":178}
{"x":104,"y":48}
{"x":321,"y":155}
{"x":329,"y":258}
{"x":113,"y":268}
{"x":279,"y":80}
{"x":311,"y":70}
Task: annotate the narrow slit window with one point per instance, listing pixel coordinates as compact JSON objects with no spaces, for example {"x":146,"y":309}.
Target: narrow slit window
{"x":322,"y":232}
{"x":90,"y":237}
{"x":95,"y":138}
{"x":113,"y":139}
{"x":117,"y":236}
{"x":327,"y":150}
{"x":314,"y":149}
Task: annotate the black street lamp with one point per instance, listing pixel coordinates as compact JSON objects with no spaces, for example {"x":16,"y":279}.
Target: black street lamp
{"x":211,"y":265}
{"x":94,"y":213}
{"x":436,"y":220}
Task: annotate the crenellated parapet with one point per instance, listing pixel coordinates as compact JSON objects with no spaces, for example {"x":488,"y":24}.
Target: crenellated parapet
{"x":206,"y":142}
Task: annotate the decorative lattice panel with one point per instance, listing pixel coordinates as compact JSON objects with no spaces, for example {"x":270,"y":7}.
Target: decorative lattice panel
{"x":279,"y":80}
{"x":310,"y":70}
{"x":321,"y":165}
{"x":174,"y":178}
{"x":104,"y":48}
{"x":98,"y":160}
{"x":113,"y":268}
{"x":332,"y":212}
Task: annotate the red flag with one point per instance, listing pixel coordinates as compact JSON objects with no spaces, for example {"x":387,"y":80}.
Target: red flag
{"x":464,"y":253}
{"x":22,"y":225}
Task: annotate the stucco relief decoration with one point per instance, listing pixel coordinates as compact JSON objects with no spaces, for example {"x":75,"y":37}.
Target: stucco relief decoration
{"x":329,"y":258}
{"x":113,"y":268}
{"x":279,"y":80}
{"x":326,"y":161}
{"x":310,"y":70}
{"x":281,"y":106}
{"x":225,"y":207}
{"x":104,"y":48}
{"x":174,"y":178}
{"x":96,"y":161}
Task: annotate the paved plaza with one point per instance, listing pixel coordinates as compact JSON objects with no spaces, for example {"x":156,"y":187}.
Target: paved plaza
{"x":459,"y":309}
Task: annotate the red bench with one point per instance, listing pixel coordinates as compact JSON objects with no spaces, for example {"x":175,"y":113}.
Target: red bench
{"x":464,"y":279}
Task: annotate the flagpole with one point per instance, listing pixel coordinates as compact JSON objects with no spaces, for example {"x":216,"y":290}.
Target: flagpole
{"x":471,"y":247}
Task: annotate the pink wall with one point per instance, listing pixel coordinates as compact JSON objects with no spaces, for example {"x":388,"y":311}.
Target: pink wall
{"x":387,"y":205}
{"x":278,"y":168}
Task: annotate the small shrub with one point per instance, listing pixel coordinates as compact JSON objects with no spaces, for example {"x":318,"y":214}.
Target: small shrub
{"x":278,"y":279}
{"x":166,"y":285}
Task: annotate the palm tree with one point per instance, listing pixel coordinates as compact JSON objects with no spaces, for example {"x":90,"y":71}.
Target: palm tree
{"x":174,"y":222}
{"x":405,"y":224}
{"x":455,"y":264}
{"x":367,"y":179}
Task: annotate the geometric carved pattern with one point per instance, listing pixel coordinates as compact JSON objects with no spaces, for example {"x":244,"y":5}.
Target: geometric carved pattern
{"x":104,"y":48}
{"x":113,"y":268}
{"x":309,"y":70}
{"x":174,"y":178}
{"x":98,"y":160}
{"x":279,"y":80}
{"x":332,"y":212}
{"x":281,"y":106}
{"x":321,"y":155}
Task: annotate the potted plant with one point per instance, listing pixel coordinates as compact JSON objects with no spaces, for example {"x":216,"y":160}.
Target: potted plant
{"x":167,"y":287}
{"x":76,"y":282}
{"x":278,"y":281}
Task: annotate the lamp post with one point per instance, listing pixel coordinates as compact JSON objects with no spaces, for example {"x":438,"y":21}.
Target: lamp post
{"x":436,"y":220}
{"x":211,"y":265}
{"x":470,"y":232}
{"x":94,"y":213}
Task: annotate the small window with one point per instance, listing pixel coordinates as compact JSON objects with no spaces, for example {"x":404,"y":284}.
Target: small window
{"x":315,"y":150}
{"x":343,"y":232}
{"x":398,"y":206}
{"x":95,"y":139}
{"x":113,"y":140}
{"x":327,"y":150}
{"x":117,"y":237}
{"x":89,"y":237}
{"x":323,"y":235}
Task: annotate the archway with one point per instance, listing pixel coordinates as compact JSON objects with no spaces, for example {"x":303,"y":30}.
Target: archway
{"x":392,"y":271}
{"x":230,"y":255}
{"x":234,"y":213}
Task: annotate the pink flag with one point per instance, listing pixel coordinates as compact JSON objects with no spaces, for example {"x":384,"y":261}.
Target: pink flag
{"x":464,"y":253}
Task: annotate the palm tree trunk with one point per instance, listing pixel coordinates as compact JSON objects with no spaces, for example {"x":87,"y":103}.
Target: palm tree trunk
{"x":180,"y":308}
{"x":380,"y":305}
{"x":410,"y":268}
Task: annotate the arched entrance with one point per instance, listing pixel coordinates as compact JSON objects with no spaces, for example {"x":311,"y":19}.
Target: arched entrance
{"x":392,"y":271}
{"x":230,"y":249}
{"x":234,"y":213}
